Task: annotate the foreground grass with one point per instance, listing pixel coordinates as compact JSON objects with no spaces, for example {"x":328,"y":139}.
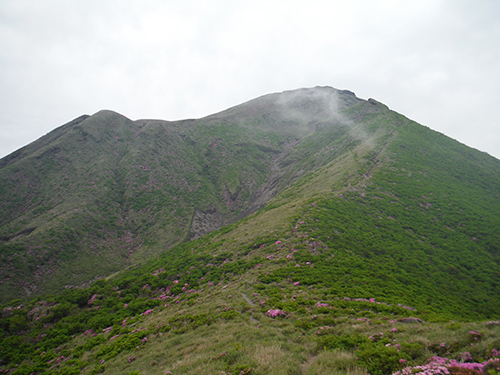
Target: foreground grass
{"x":241,"y":339}
{"x":228,"y":328}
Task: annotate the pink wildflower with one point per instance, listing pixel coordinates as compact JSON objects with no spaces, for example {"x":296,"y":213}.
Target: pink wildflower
{"x":275,"y":313}
{"x":91,"y":300}
{"x":318,"y":305}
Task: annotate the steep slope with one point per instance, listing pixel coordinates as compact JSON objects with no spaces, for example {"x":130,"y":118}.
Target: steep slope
{"x":367,"y":224}
{"x":102,"y":191}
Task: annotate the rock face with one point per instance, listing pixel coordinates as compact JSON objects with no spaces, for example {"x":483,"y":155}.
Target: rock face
{"x":205,"y":222}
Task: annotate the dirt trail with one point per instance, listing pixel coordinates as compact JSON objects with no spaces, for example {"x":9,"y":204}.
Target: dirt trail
{"x":249,"y":301}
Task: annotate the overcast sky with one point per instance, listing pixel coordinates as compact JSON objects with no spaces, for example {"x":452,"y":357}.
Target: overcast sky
{"x":435,"y":61}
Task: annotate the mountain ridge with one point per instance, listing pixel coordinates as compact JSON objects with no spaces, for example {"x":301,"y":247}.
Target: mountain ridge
{"x":303,"y":232}
{"x":294,"y":134}
{"x":100,"y":144}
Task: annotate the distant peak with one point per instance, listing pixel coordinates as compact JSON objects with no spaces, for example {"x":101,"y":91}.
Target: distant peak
{"x":108,"y":116}
{"x":106,"y":113}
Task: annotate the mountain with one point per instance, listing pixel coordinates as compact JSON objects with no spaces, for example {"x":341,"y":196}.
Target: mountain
{"x":103,"y":191}
{"x":323,"y":218}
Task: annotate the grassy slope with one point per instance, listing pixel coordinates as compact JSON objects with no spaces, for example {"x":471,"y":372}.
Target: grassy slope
{"x":101,"y":191}
{"x":395,"y":219}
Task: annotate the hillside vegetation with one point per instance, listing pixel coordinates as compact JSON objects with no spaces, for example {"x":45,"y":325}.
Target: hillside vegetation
{"x":102,"y":191}
{"x":350,"y":240}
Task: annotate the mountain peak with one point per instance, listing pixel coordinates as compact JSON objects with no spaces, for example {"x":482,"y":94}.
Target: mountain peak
{"x":104,"y":184}
{"x":107,"y":113}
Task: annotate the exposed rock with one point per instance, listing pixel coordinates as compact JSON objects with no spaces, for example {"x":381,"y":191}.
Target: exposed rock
{"x":205,"y":221}
{"x":410,"y":320}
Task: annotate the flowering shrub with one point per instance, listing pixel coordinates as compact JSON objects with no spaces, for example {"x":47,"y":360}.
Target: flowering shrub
{"x":475,"y":336}
{"x":319,"y":304}
{"x":445,"y":366}
{"x":464,"y":357}
{"x":275,"y":313}
{"x":92,"y":299}
{"x":424,"y":370}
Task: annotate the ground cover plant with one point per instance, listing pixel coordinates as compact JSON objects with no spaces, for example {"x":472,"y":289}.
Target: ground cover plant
{"x":230,"y":326}
{"x":356,"y":242}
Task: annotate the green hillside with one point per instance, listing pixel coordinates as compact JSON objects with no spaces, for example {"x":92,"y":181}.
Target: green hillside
{"x":103,"y":192}
{"x":351,"y":240}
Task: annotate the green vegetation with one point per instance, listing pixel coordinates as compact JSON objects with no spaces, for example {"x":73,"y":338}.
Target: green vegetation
{"x":366,"y":243}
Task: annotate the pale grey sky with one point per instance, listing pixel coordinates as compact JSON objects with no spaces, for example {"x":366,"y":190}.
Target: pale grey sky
{"x":435,"y":61}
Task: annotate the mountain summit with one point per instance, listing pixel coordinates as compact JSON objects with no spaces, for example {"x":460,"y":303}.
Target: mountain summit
{"x":308,"y":231}
{"x":103,"y":192}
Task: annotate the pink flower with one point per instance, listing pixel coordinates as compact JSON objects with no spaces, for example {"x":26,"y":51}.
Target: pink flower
{"x":275,"y":313}
{"x":91,"y":300}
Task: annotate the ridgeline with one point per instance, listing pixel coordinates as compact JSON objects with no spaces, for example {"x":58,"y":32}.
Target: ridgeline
{"x":308,"y":231}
